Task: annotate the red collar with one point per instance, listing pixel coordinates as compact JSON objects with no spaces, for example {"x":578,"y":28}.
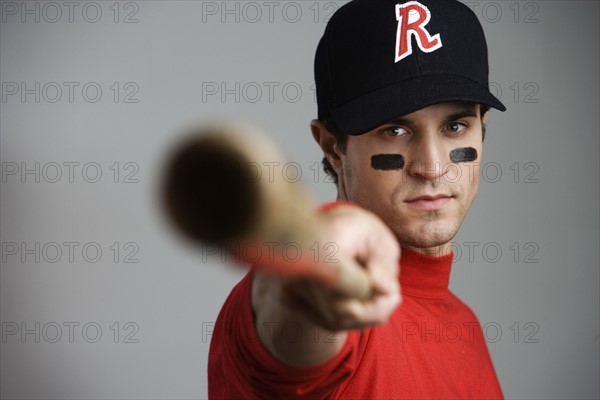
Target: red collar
{"x":424,"y":276}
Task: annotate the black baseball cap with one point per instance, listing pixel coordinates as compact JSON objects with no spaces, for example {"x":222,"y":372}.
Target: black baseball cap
{"x":381,"y":59}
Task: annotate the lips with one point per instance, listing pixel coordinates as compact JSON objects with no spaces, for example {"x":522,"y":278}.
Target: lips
{"x":429,"y":202}
{"x":428,"y":197}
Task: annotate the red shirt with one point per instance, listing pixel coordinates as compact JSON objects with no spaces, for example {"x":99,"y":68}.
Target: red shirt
{"x":431,"y":347}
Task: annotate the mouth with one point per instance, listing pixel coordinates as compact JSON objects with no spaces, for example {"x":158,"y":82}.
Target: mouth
{"x":429,"y":202}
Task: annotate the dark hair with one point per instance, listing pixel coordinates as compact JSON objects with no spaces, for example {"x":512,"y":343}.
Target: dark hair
{"x":341,"y":139}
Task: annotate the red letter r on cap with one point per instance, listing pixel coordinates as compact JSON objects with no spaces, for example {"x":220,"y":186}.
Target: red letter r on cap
{"x":412,"y":18}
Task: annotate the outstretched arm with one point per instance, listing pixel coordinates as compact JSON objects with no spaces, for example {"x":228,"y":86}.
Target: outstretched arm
{"x":317,"y":308}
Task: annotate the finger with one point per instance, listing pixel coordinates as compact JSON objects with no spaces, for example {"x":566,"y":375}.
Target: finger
{"x":383,"y":250}
{"x":384,"y":281}
{"x":354,"y":314}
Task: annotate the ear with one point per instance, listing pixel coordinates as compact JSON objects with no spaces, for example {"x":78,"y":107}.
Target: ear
{"x":484,"y":116}
{"x":483,"y":124}
{"x":328,"y":144}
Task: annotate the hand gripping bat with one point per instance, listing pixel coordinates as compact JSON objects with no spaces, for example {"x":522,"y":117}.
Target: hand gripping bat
{"x":216,"y":191}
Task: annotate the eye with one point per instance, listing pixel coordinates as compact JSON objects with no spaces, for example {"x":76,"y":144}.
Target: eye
{"x":394,"y":131}
{"x":456,"y":127}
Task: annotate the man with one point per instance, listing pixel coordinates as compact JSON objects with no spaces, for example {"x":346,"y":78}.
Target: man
{"x":402,"y":91}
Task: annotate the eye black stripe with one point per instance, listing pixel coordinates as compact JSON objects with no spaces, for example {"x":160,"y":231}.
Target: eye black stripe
{"x":463,"y":154}
{"x":387,"y":162}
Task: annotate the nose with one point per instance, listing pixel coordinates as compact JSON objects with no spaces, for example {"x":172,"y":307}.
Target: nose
{"x":427,"y":158}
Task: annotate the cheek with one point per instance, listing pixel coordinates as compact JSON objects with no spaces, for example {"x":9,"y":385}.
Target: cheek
{"x":470,"y":179}
{"x":368,"y":177}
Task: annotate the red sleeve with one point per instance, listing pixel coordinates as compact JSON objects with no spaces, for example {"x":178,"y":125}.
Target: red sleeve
{"x":239,"y":366}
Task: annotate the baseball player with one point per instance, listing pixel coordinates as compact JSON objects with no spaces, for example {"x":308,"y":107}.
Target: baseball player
{"x":403,"y":96}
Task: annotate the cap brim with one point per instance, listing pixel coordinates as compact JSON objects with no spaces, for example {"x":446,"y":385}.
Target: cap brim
{"x":385,"y":104}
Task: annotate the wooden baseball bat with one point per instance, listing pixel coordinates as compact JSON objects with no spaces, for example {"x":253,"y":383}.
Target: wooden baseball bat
{"x":217,"y":191}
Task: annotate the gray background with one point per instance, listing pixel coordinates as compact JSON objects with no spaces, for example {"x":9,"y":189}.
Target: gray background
{"x":526,"y":257}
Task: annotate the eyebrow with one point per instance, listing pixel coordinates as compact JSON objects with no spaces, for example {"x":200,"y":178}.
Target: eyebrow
{"x":459,"y":115}
{"x":449,"y":118}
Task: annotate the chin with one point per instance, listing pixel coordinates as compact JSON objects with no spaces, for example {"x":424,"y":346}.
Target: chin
{"x":424,"y":243}
{"x":427,"y":234}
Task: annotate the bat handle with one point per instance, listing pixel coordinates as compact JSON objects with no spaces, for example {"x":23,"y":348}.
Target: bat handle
{"x":353,"y":279}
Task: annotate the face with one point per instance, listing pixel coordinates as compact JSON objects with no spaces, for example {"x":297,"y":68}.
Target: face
{"x":424,"y":202}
